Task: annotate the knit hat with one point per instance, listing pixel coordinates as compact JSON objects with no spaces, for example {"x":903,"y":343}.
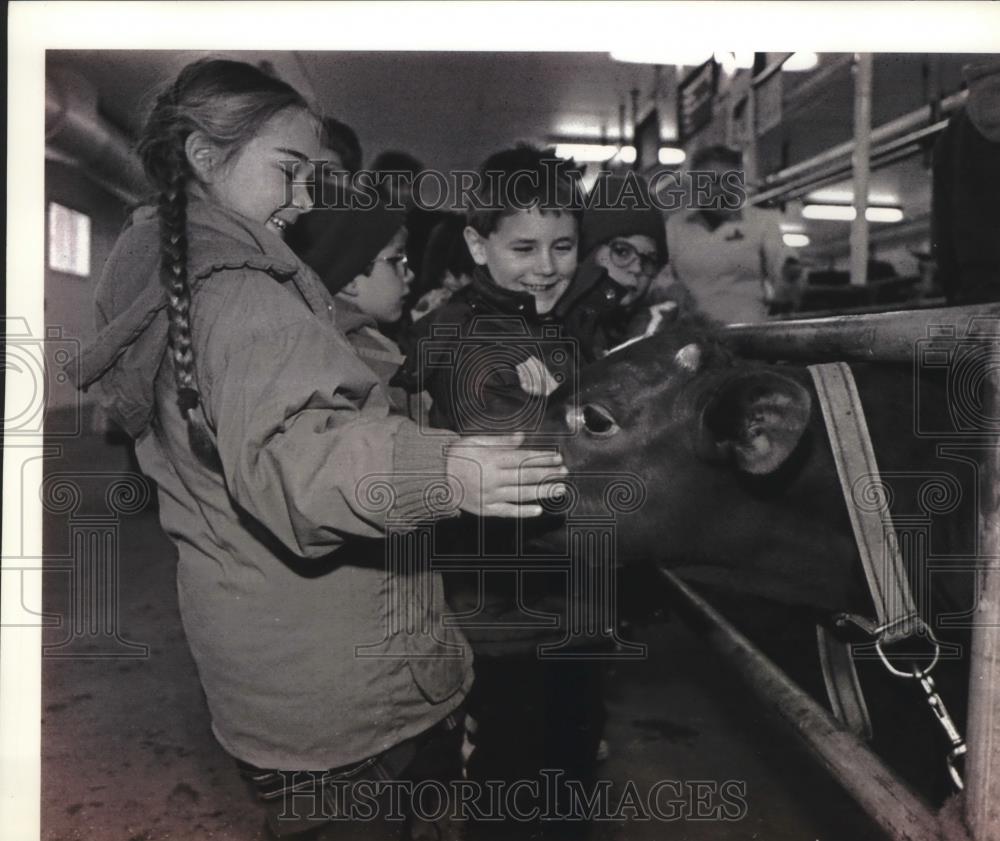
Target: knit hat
{"x":620,"y":206}
{"x":339,"y":241}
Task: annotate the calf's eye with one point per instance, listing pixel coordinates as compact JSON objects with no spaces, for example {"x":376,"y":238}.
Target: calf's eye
{"x":599,"y":421}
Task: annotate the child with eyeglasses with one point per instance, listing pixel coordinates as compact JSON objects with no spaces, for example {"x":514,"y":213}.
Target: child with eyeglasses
{"x":623,"y":247}
{"x":361,"y":259}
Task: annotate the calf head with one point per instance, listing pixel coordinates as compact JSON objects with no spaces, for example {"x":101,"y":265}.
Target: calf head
{"x":723,"y":455}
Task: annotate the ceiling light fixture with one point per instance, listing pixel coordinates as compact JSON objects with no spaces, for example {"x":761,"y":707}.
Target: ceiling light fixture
{"x":800,"y":62}
{"x":671,"y":156}
{"x":662,"y":55}
{"x":883,"y":214}
{"x":594,"y":152}
{"x":846,"y":213}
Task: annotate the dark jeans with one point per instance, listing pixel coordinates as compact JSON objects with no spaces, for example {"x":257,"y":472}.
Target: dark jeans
{"x":533,"y":714}
{"x":299,"y":801}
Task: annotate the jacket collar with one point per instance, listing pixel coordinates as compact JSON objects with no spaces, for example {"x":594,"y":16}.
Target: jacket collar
{"x":349,"y":318}
{"x":130,"y":296}
{"x":220,"y":238}
{"x":506,"y":301}
{"x":591,"y":279}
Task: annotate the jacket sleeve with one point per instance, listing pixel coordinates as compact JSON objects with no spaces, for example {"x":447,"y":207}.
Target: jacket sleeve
{"x":303,"y":429}
{"x":473,"y":380}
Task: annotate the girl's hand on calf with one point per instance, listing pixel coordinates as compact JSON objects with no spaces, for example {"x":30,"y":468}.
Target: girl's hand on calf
{"x":492,"y":477}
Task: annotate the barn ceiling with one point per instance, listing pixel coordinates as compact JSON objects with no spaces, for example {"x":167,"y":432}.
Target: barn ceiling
{"x":451,"y":109}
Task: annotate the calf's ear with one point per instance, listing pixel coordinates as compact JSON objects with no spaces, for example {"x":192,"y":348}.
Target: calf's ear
{"x":756,"y":420}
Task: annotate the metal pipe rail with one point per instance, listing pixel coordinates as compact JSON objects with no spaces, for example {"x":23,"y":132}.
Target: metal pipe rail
{"x":883,"y":154}
{"x":897,"y":809}
{"x":884,"y":337}
{"x":892,"y":130}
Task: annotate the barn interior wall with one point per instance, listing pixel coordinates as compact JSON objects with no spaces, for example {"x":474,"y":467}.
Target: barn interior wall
{"x":69,"y":298}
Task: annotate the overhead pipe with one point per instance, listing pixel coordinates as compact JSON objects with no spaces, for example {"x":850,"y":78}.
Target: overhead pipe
{"x":885,"y":153}
{"x":887,"y":131}
{"x":74,"y":128}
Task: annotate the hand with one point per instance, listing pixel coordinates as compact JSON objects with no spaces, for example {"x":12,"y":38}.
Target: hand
{"x":494,"y":478}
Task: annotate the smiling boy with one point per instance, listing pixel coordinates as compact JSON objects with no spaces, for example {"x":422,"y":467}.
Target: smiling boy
{"x":522,"y":236}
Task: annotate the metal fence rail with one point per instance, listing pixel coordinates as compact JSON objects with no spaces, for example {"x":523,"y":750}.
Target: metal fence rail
{"x":900,"y":812}
{"x":889,"y":337}
{"x":871,"y":337}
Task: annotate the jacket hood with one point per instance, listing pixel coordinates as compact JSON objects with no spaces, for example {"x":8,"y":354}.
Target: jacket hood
{"x":131,"y":304}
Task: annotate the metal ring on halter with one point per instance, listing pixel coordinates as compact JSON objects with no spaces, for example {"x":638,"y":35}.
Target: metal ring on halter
{"x":915,"y":673}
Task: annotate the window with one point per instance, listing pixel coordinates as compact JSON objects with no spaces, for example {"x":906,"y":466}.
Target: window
{"x":69,"y":240}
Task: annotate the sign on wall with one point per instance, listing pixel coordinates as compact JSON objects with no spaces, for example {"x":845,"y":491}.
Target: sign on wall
{"x":695,"y":99}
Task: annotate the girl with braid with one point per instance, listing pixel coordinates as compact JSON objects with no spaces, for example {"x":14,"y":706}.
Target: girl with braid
{"x":280,"y":464}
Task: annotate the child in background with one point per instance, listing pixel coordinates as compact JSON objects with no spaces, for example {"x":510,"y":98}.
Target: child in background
{"x":447,"y":266}
{"x":361,"y":260}
{"x":624,"y":246}
{"x":218,"y":352}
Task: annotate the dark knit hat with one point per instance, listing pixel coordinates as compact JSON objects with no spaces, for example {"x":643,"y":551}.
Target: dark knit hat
{"x":446,"y":251}
{"x":338,"y":242}
{"x":620,"y":206}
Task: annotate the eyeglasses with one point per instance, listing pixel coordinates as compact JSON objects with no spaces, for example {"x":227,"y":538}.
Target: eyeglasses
{"x":398,"y":262}
{"x":624,"y":255}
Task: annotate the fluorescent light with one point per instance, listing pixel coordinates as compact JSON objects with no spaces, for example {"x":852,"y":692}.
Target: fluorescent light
{"x":731,"y":62}
{"x":662,"y":55}
{"x":846,"y":213}
{"x":586,"y":152}
{"x":801,"y":61}
{"x":795,"y":240}
{"x":579,"y":130}
{"x":884,"y":214}
{"x":829,"y":212}
{"x":790,"y":227}
{"x":627,"y":154}
{"x":601,"y":152}
{"x":670,"y":155}
{"x":845,"y":195}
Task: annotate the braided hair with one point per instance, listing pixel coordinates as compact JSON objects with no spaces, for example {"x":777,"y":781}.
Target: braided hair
{"x":229,"y":102}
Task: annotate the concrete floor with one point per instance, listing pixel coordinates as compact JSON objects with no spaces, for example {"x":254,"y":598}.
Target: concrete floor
{"x":127,"y":754}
